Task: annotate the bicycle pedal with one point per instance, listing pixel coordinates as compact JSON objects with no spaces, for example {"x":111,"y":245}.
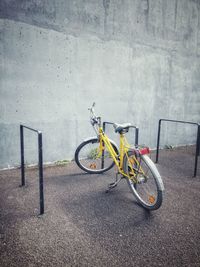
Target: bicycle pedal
{"x":112,"y":185}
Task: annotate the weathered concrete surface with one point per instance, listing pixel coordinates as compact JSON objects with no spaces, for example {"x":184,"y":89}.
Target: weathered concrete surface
{"x":139,"y":60}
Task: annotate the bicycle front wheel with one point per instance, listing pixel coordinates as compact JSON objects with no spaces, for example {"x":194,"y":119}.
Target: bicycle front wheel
{"x":91,"y":159}
{"x":144,"y":180}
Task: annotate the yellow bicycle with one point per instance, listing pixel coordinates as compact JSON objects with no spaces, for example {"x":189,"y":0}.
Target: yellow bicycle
{"x":99,"y":154}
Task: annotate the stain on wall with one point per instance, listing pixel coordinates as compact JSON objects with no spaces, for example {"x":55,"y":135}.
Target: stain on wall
{"x":138,"y":59}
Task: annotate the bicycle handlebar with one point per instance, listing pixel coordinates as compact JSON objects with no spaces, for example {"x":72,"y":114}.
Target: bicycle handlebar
{"x":93,"y":118}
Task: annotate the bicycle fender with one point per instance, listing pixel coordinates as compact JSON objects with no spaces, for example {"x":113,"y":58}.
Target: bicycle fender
{"x":155,"y":171}
{"x":90,"y":138}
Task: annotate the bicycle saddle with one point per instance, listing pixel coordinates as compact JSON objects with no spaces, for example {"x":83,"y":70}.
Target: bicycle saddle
{"x":121,"y":128}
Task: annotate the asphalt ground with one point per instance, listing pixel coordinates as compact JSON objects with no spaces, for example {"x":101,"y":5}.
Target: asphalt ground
{"x":84,"y":226}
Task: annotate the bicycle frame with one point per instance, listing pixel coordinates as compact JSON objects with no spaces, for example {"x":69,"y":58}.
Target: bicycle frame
{"x":123,"y":150}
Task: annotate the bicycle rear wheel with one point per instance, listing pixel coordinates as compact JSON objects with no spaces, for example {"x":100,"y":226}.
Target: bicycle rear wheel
{"x":144,"y":180}
{"x":90,"y":159}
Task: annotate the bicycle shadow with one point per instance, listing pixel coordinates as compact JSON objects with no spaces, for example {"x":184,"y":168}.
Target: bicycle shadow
{"x":83,"y":199}
{"x":106,"y":210}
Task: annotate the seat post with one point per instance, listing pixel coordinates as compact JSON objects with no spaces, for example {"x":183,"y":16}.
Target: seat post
{"x":121,"y":148}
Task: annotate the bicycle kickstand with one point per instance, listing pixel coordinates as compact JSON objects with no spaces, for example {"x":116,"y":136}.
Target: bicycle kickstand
{"x":114,"y":184}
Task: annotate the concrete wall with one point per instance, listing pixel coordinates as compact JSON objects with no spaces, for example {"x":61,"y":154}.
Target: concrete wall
{"x":138,"y":59}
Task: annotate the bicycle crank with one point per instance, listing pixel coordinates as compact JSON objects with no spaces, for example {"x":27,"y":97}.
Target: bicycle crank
{"x":114,"y":184}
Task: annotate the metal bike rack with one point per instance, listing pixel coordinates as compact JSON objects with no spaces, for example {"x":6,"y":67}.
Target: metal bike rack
{"x":197,"y":153}
{"x":40,"y":163}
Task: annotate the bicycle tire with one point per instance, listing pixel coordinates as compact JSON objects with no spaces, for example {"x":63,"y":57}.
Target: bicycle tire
{"x":86,"y":157}
{"x":147,"y":187}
